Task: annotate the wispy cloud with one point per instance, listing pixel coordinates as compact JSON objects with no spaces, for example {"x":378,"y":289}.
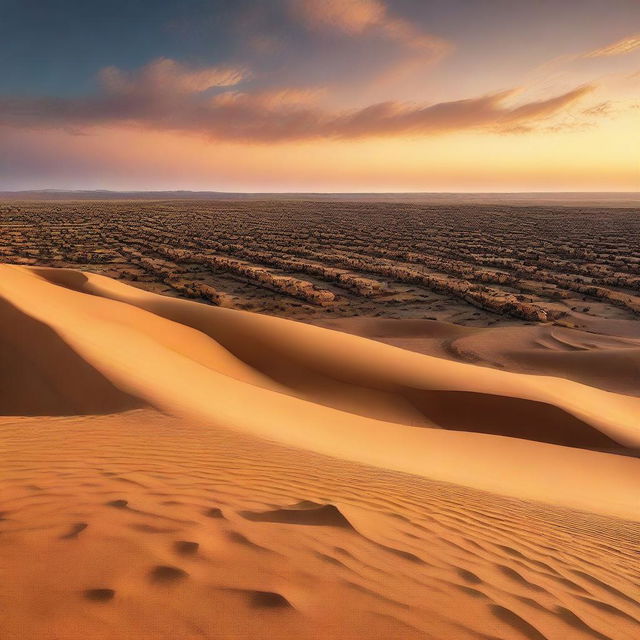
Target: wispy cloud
{"x":165,"y":95}
{"x":366,"y":17}
{"x":621,"y":47}
{"x":165,"y":75}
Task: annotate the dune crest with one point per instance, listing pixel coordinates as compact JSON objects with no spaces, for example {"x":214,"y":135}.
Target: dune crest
{"x":606,"y":357}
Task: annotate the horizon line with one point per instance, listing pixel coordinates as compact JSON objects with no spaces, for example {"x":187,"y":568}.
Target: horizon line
{"x":214,"y":191}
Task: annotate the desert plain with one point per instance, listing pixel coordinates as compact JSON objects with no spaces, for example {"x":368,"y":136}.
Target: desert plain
{"x":319,"y":419}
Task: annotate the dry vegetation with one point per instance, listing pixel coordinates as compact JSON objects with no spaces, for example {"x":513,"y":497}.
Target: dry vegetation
{"x":471,"y":264}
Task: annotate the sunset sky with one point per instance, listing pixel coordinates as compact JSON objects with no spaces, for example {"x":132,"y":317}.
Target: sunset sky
{"x":320,"y":95}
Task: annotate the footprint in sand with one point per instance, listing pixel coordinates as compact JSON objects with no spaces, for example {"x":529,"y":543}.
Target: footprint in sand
{"x":75,"y":531}
{"x":185,"y":547}
{"x":166,"y":574}
{"x":264,"y":599}
{"x":238,"y":538}
{"x":268,"y":599}
{"x":118,"y":504}
{"x":99,"y":595}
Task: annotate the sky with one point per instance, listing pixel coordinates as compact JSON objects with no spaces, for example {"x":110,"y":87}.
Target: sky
{"x":320,"y":95}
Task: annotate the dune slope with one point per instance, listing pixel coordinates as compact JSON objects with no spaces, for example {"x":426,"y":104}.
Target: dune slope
{"x":262,"y":478}
{"x":607,"y":356}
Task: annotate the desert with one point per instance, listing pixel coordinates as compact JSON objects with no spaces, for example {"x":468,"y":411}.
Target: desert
{"x":207,"y":437}
{"x":319,"y":320}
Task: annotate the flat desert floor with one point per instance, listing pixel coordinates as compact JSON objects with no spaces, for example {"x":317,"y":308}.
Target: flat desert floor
{"x":177,"y":469}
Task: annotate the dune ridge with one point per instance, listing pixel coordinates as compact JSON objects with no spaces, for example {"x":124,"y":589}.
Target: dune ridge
{"x":167,"y":455}
{"x":607,"y":356}
{"x":328,"y":392}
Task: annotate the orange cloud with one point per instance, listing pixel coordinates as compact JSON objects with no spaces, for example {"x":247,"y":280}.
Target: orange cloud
{"x":544,"y":108}
{"x":357,"y":17}
{"x":484,"y":112}
{"x":270,"y":98}
{"x":621,"y":47}
{"x":165,"y":96}
{"x":350,"y":16}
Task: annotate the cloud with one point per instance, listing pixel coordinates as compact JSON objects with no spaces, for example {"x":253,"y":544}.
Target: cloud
{"x":270,"y":98}
{"x":545,"y":108}
{"x":621,"y":47}
{"x":483,"y":112}
{"x":588,"y":60}
{"x":360,"y":17}
{"x":350,"y":16}
{"x":166,"y":75}
{"x":601,"y":110}
{"x":166,"y":96}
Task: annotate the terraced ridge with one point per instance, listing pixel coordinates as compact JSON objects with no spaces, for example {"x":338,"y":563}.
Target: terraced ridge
{"x":475,"y":264}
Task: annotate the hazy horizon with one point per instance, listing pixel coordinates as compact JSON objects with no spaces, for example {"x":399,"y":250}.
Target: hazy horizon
{"x":564,"y":200}
{"x":327,"y":193}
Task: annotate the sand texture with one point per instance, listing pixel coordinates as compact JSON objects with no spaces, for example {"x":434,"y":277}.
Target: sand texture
{"x":174,"y":470}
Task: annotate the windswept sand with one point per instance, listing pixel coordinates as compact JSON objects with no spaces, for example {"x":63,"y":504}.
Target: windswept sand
{"x":175,"y":470}
{"x":606,"y":356}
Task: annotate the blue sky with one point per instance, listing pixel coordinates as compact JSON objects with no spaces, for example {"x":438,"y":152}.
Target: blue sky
{"x":324,"y":70}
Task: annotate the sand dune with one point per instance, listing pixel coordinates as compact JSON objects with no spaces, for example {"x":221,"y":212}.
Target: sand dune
{"x":32,"y":357}
{"x":607,"y":357}
{"x":258,"y":477}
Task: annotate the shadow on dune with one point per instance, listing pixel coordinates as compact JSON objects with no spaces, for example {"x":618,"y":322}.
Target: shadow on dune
{"x":67,"y":278}
{"x":507,"y":416}
{"x":41,"y":375}
{"x":616,"y":370}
